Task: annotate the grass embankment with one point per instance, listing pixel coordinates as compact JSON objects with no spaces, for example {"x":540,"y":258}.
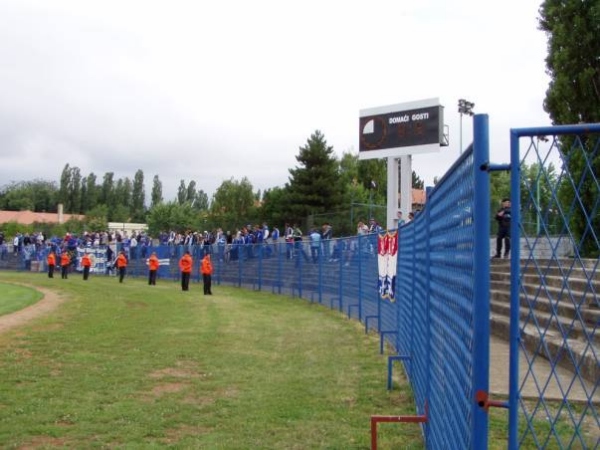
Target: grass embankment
{"x":133,"y":366}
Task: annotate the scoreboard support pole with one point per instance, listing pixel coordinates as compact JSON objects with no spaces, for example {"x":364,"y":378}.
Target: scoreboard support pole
{"x":405,"y":185}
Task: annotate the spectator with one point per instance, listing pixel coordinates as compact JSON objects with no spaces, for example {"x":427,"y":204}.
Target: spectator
{"x":298,"y":245}
{"x":399,"y":219}
{"x":503,"y":219}
{"x":315,"y":245}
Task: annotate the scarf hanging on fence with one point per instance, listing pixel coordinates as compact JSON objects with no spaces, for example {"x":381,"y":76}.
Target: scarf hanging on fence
{"x":387,"y":257}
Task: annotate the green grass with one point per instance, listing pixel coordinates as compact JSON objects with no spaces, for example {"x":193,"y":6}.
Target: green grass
{"x":139,"y":367}
{"x":16,"y":297}
{"x":134,"y":366}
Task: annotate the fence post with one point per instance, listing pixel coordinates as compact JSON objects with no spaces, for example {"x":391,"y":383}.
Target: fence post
{"x":481,"y":275}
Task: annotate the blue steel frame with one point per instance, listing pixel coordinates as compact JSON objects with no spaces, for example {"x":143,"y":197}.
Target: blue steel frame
{"x":515,"y":334}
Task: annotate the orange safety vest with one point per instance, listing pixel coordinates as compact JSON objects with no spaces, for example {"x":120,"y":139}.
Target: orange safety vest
{"x":185,"y":263}
{"x":51,"y":259}
{"x":153,"y":262}
{"x":86,"y":261}
{"x":65,"y":260}
{"x":121,"y":261}
{"x":207,"y":268}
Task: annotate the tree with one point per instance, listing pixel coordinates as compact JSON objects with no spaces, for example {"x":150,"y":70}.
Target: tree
{"x":233,"y":204}
{"x":172,"y":216}
{"x":417,"y":182}
{"x":157,"y":196}
{"x":138,"y":212}
{"x":74,"y":197}
{"x":123,"y":191}
{"x":96,"y":218}
{"x":182,"y":193}
{"x":201,"y":201}
{"x":190,"y":195}
{"x":91,"y":193}
{"x":36,"y":195}
{"x":313,"y":186}
{"x":107,"y":193}
{"x":573,"y":96}
{"x":274,"y":205}
{"x":538,"y":205}
{"x":573,"y":61}
{"x":63,"y":191}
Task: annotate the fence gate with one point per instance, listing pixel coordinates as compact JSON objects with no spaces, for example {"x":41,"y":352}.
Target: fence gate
{"x":555,"y":282}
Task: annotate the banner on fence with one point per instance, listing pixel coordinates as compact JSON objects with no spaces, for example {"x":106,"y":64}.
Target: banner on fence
{"x":387,"y":256}
{"x":101,"y":265}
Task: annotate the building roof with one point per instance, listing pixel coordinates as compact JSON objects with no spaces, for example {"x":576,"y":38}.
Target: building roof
{"x":30,"y":217}
{"x":418,"y":196}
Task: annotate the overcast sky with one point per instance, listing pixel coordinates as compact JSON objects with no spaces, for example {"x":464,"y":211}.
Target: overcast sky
{"x":207,"y":91}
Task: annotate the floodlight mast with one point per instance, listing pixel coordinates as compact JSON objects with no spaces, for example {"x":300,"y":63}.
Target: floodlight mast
{"x":464,"y":107}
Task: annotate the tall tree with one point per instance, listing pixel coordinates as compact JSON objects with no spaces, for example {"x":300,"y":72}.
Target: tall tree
{"x":573,"y":96}
{"x":138,"y":197}
{"x":417,"y":182}
{"x":182,"y":193}
{"x":190,"y":195}
{"x":74,"y":197}
{"x":123,"y":191}
{"x":573,"y":61}
{"x":201,"y":201}
{"x":157,"y":196}
{"x":107,"y":194}
{"x":313,"y":185}
{"x":92,"y":192}
{"x":63,"y":190}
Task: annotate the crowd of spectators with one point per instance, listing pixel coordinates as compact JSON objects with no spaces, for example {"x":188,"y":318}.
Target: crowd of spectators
{"x":247,"y":242}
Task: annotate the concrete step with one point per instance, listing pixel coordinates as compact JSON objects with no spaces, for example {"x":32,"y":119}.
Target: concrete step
{"x":569,"y":328}
{"x":563,"y":306}
{"x":576,"y":355}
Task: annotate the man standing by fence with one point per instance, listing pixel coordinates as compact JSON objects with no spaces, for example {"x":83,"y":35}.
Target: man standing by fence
{"x":503,"y":218}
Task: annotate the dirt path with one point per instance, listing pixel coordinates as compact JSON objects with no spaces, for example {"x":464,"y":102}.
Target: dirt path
{"x":48,"y":303}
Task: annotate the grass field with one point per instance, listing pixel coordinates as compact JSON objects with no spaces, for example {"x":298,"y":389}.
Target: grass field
{"x":134,"y":366}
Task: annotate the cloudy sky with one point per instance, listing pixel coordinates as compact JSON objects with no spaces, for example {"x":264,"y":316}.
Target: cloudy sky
{"x":207,"y":91}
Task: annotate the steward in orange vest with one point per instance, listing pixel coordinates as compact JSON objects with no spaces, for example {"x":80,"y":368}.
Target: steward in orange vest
{"x":65,"y":260}
{"x":153,"y":265}
{"x":207,"y":270}
{"x":51,"y":260}
{"x":86,"y":263}
{"x":121,"y":265}
{"x":185,"y":264}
